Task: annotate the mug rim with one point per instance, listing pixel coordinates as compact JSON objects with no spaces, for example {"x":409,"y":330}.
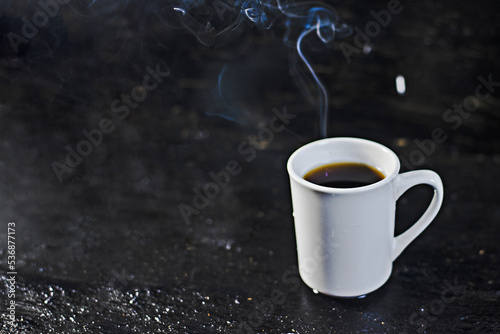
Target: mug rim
{"x":388,"y":178}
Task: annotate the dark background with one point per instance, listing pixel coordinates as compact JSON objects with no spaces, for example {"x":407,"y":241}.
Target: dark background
{"x":106,"y":249}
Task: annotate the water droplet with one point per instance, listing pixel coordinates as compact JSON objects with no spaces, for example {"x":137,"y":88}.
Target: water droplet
{"x":315,"y":291}
{"x":367,"y":49}
{"x":400,"y":84}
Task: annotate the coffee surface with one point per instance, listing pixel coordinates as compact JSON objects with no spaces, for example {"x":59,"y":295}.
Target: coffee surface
{"x":344,"y":175}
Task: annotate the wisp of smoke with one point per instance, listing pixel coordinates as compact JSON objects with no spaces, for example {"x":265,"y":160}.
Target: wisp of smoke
{"x":326,"y":26}
{"x":216,"y":23}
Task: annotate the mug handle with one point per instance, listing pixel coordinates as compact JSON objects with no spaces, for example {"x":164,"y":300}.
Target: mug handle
{"x":404,"y":182}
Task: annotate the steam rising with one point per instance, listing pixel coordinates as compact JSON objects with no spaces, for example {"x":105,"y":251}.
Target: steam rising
{"x":216,"y":23}
{"x":326,"y":25}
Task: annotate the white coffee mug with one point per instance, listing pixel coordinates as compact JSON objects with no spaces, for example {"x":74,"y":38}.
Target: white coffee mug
{"x":345,"y":236}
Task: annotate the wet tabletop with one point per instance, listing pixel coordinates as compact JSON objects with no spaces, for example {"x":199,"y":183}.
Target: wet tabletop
{"x":116,"y":115}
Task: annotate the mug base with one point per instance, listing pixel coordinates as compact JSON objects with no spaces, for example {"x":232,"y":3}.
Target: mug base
{"x":349,"y":293}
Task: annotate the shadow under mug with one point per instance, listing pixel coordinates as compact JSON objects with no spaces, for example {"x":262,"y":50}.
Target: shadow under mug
{"x":345,"y":236}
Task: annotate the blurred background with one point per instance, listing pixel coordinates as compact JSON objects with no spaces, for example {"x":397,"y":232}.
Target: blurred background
{"x":118,"y":116}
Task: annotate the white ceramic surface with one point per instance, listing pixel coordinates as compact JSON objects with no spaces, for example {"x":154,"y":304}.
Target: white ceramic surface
{"x":345,"y":237}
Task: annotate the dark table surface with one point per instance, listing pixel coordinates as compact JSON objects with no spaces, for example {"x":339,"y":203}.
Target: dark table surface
{"x":101,"y":245}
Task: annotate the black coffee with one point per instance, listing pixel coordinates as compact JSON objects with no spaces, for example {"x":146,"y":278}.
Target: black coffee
{"x":344,"y":175}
